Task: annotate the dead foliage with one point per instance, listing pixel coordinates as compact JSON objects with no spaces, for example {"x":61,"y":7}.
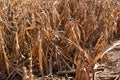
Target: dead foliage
{"x":63,"y":38}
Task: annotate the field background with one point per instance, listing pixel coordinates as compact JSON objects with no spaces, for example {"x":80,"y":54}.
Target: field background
{"x":59,"y":39}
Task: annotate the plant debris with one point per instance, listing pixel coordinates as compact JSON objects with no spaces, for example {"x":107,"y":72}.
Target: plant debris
{"x":59,"y":39}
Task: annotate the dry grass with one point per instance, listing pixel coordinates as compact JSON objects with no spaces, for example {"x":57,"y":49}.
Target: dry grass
{"x":64,"y":38}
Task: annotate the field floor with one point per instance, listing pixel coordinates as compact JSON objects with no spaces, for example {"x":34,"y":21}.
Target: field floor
{"x":111,"y":69}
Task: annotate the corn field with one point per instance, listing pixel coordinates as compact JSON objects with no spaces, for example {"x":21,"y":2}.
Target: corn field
{"x":57,"y":39}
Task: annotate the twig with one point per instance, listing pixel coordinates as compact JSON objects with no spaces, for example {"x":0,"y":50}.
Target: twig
{"x":66,"y":72}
